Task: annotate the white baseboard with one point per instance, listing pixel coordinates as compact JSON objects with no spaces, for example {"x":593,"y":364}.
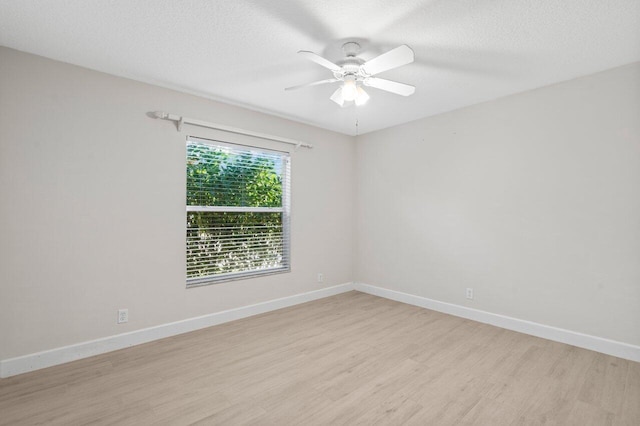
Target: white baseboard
{"x":598,"y":344}
{"x":36,"y":361}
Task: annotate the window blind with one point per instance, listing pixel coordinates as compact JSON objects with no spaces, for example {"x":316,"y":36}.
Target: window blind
{"x":237,"y":211}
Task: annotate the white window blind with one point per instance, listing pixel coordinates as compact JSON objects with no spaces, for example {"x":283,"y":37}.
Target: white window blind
{"x":237,"y":211}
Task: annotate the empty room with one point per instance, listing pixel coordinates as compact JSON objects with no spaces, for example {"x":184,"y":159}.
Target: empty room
{"x":297,"y":212}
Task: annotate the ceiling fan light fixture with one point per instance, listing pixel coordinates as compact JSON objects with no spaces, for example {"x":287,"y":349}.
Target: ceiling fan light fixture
{"x":362,"y":97}
{"x":337,"y":96}
{"x":355,"y":72}
{"x":349,"y":88}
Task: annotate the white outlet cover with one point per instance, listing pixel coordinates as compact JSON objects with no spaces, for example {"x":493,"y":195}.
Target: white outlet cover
{"x":123,"y":316}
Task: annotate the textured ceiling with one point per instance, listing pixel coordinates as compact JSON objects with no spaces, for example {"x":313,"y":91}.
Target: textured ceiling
{"x":244,"y":51}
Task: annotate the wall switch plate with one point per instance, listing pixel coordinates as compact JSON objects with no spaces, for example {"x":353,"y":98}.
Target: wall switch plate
{"x":320,"y":277}
{"x":123,"y":315}
{"x":469,"y":293}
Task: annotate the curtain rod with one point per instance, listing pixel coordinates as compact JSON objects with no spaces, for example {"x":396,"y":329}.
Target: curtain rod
{"x":184,"y":120}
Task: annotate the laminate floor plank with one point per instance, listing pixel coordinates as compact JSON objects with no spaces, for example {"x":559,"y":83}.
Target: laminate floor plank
{"x":349,"y":359}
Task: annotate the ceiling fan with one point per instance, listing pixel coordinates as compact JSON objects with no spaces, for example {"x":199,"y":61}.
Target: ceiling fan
{"x":354,"y":73}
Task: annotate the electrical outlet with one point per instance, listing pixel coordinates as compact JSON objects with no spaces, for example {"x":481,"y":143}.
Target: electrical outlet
{"x":320,"y":277}
{"x":123,"y":315}
{"x":469,"y":293}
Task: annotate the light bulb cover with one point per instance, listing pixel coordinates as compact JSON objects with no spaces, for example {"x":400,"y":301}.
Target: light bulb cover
{"x":349,"y":88}
{"x":337,"y":97}
{"x":362,"y":97}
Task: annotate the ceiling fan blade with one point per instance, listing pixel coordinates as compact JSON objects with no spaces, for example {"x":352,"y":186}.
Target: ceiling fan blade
{"x":315,"y":83}
{"x":394,"y":58}
{"x":390,"y":86}
{"x":320,"y":60}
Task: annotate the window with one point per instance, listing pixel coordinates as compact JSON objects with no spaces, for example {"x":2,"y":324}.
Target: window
{"x":237,"y":211}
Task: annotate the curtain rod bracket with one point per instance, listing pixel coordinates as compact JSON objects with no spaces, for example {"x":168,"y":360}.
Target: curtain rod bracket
{"x":180,"y":123}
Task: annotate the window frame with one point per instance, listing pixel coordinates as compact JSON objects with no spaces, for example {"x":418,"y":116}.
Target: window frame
{"x":285,"y":211}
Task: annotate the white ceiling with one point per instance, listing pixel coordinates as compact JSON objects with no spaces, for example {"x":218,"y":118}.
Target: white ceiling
{"x":244,"y":51}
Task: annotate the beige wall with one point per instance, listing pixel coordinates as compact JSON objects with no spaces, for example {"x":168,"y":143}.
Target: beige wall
{"x":92,"y":210}
{"x":532,"y":200}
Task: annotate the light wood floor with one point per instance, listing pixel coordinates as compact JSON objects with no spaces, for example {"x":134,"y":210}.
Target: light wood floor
{"x":347,"y":359}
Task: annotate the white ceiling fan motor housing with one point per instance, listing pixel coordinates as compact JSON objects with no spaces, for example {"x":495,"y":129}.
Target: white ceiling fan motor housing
{"x":350,"y":66}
